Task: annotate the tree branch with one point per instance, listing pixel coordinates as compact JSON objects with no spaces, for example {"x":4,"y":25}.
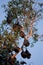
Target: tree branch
{"x":31,"y":25}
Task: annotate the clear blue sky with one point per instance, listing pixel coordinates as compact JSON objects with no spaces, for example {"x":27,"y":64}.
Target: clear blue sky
{"x":37,"y":50}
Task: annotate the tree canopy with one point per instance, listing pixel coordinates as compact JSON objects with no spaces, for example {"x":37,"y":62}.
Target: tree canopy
{"x":20,"y":23}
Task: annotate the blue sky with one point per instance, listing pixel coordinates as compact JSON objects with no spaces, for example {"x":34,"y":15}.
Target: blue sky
{"x":37,"y":50}
{"x":2,"y":13}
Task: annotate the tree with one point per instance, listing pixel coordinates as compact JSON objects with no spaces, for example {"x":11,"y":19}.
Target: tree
{"x":19,"y":23}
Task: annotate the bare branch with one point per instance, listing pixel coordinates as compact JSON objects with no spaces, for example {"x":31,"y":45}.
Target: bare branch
{"x":14,"y":55}
{"x":31,"y":25}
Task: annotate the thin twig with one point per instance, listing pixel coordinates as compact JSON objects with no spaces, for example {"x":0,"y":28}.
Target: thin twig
{"x":39,"y":36}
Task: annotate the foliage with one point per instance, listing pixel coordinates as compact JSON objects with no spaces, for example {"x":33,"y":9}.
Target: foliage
{"x":19,"y":23}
